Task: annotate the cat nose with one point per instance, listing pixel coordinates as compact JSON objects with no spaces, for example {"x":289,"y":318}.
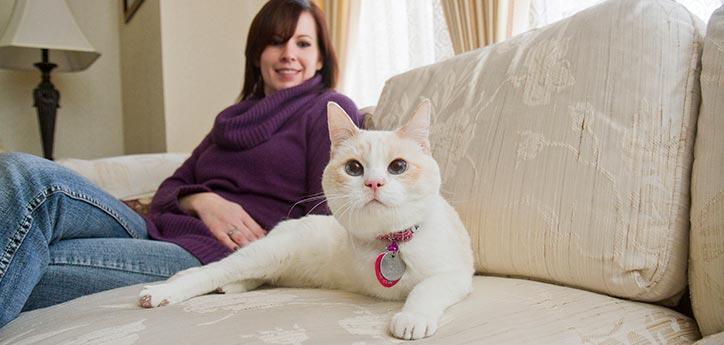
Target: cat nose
{"x":375,"y":184}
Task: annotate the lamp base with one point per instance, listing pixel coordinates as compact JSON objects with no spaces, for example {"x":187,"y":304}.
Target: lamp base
{"x":46,"y":100}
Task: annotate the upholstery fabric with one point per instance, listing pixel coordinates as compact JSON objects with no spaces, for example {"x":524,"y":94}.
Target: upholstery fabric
{"x":128,"y":177}
{"x":567,"y":150}
{"x":568,"y":153}
{"x":706,"y":270}
{"x":368,"y":117}
{"x":499,"y":311}
{"x":142,"y":206}
{"x":714,"y":339}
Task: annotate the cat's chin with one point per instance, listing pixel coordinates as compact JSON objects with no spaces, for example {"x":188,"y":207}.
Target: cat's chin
{"x":374,"y":204}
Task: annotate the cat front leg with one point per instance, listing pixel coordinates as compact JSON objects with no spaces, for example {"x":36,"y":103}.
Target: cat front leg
{"x":427,"y":302}
{"x":235,"y":273}
{"x":243,"y":270}
{"x":235,"y":287}
{"x":241,"y":286}
{"x":180,"y":287}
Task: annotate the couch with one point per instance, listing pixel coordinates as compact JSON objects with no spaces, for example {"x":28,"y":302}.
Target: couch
{"x":585,"y":159}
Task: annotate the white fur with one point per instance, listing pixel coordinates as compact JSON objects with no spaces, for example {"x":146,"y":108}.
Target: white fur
{"x":338,"y":252}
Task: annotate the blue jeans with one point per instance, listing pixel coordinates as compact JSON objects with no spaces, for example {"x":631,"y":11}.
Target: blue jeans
{"x":62,"y":237}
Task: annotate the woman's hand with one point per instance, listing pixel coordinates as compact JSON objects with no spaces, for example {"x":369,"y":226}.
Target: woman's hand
{"x":227,"y":221}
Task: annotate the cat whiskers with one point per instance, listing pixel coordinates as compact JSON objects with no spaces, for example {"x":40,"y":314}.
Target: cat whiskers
{"x":323,"y":201}
{"x":312,"y":197}
{"x":315,"y":194}
{"x":346,"y":209}
{"x":308,"y":198}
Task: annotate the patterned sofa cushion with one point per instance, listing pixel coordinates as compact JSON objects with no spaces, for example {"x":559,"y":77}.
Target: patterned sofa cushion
{"x":706,"y":270}
{"x":499,"y":311}
{"x":567,"y":150}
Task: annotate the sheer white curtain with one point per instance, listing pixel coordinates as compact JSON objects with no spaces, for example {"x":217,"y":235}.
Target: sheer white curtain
{"x":392,"y":36}
{"x":702,"y":8}
{"x":544,"y":12}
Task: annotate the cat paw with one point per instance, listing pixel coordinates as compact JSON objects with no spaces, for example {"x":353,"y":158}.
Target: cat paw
{"x":153,"y":296}
{"x":411,"y":326}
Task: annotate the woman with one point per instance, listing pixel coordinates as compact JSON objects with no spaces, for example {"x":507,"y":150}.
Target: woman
{"x":62,"y":237}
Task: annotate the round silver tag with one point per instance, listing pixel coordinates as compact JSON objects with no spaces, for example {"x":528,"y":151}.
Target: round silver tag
{"x":392,"y":267}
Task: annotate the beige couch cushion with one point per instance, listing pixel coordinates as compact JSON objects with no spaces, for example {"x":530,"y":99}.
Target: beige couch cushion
{"x":128,"y":177}
{"x":500,"y":311}
{"x":715,"y":339}
{"x":706,"y":271}
{"x":567,"y":150}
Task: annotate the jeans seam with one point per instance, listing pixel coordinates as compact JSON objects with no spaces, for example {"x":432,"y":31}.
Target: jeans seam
{"x":98,"y":204}
{"x":155,"y":274}
{"x":15,"y":242}
{"x":27,"y":220}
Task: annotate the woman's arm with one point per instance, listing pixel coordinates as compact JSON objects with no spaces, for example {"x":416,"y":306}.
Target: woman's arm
{"x":182,"y":193}
{"x":227,"y":221}
{"x":182,"y":183}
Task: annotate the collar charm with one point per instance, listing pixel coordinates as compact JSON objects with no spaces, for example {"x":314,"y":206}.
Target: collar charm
{"x":389,"y":267}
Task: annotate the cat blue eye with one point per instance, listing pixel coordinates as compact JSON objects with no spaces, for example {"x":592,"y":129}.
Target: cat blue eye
{"x":398,"y":166}
{"x":354,"y":168}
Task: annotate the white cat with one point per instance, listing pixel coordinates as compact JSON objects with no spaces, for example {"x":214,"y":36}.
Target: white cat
{"x":391,"y":236}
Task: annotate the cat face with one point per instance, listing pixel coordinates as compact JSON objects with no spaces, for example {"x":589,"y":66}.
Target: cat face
{"x":379,"y":181}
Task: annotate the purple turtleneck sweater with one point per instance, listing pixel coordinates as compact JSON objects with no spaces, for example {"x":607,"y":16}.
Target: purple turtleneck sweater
{"x":264,"y":154}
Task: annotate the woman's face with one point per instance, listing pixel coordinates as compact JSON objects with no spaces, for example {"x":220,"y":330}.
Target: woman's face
{"x":290,"y":63}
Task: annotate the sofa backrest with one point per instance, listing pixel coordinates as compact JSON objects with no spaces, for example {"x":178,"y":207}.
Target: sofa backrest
{"x":128,"y":177}
{"x":567,"y":150}
{"x":706,"y":269}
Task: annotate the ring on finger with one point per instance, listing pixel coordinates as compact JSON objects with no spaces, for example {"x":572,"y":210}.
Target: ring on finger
{"x":232,"y":232}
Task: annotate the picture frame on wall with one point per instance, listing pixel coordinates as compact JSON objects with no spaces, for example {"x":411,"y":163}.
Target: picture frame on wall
{"x":130,"y":7}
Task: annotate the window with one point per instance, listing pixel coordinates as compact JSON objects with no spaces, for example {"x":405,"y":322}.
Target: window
{"x":392,"y":37}
{"x":544,"y":12}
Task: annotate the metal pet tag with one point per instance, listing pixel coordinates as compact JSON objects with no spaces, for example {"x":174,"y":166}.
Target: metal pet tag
{"x":389,"y":267}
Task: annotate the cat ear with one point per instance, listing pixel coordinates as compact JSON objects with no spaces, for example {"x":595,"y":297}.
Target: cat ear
{"x":418,"y":127}
{"x":340,"y":125}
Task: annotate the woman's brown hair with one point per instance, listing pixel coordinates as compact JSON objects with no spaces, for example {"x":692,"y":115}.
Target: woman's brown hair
{"x":278,"y":18}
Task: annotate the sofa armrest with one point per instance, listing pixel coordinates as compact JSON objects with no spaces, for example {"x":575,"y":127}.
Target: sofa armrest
{"x":128,"y":177}
{"x":714,"y":339}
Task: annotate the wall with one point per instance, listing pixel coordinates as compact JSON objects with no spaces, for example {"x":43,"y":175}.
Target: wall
{"x":159,"y":83}
{"x":203,"y":63}
{"x":89,"y":121}
{"x":182,"y":65}
{"x":141,"y":68}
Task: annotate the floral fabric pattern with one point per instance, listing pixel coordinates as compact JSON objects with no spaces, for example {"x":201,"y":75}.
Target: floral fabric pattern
{"x":499,"y":311}
{"x":567,"y":150}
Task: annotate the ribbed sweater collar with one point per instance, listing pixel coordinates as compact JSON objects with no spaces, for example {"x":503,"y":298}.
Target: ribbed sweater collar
{"x":251,"y":122}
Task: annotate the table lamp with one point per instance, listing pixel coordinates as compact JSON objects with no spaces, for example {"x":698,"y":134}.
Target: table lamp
{"x":41,"y":31}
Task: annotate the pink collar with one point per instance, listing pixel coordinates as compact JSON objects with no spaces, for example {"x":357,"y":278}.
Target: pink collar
{"x":400,"y":236}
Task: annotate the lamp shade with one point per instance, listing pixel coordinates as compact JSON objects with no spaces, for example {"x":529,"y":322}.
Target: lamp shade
{"x":44,"y":24}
